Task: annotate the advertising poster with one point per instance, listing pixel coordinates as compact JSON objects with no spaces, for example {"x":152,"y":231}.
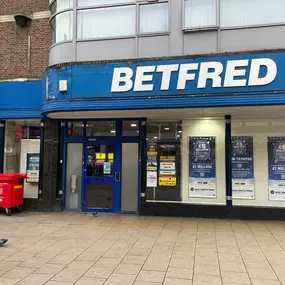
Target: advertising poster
{"x":33,"y":167}
{"x":151,"y":179}
{"x":242,"y":167}
{"x":167,"y":171}
{"x":276,"y":168}
{"x":107,"y":168}
{"x":151,"y":165}
{"x":202,"y":167}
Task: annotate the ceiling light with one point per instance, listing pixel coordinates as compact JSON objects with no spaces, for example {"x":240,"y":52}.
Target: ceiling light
{"x":133,"y":125}
{"x":179,"y":132}
{"x":166,"y":129}
{"x":112,"y":131}
{"x":155,"y":138}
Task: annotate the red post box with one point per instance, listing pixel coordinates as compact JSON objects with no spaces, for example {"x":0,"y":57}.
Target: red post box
{"x":12,"y":191}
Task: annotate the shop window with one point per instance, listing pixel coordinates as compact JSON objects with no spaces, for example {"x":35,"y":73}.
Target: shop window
{"x":200,"y":13}
{"x":186,"y":161}
{"x":164,"y":161}
{"x":101,"y":128}
{"x":22,"y":152}
{"x":75,"y":129}
{"x":154,"y":18}
{"x":258,"y":162}
{"x":130,"y":128}
{"x":62,"y":27}
{"x":255,"y":12}
{"x":60,"y":5}
{"x":83,"y":3}
{"x":108,"y":22}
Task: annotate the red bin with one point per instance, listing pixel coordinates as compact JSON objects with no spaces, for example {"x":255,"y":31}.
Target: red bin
{"x":12,"y":191}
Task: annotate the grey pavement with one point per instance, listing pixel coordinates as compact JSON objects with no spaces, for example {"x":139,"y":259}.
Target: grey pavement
{"x":76,"y":248}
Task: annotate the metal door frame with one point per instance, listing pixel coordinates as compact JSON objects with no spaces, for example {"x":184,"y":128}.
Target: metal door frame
{"x":116,"y":185}
{"x":115,"y":140}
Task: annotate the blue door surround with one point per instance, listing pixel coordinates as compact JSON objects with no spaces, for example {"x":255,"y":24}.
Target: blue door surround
{"x":97,"y":180}
{"x":116,"y":141}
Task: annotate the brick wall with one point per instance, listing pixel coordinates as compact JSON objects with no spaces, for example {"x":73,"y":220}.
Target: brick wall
{"x":14,"y":51}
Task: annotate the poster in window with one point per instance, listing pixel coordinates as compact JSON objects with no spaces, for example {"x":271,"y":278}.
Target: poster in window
{"x":242,"y":167}
{"x":276,"y":168}
{"x":167,"y":171}
{"x":151,"y":179}
{"x":151,"y":165}
{"x":33,"y":167}
{"x":202,"y":167}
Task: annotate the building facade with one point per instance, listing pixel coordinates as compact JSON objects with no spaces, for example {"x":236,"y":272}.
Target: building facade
{"x":157,"y":107}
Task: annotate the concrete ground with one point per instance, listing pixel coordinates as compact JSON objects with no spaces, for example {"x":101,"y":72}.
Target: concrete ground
{"x":65,"y":249}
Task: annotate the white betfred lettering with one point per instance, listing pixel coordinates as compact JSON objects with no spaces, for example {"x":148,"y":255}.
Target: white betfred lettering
{"x":122,"y":75}
{"x":141,"y":77}
{"x":232,"y":72}
{"x":166,"y":74}
{"x":214,"y":75}
{"x":254,"y":79}
{"x":184,"y":76}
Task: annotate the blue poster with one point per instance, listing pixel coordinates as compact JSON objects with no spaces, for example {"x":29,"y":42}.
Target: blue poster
{"x":242,"y":167}
{"x":202,"y":167}
{"x":33,"y":167}
{"x":276,"y":168}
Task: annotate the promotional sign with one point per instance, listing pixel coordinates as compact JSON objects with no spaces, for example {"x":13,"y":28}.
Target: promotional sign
{"x":33,"y":167}
{"x":276,"y":168}
{"x":151,"y":165}
{"x":151,"y":179}
{"x":242,"y":167}
{"x":107,"y":168}
{"x":202,"y":167}
{"x":100,"y":155}
{"x":167,"y":171}
{"x":152,"y":149}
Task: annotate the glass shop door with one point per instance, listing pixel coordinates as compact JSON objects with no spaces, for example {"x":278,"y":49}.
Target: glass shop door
{"x":101,"y":178}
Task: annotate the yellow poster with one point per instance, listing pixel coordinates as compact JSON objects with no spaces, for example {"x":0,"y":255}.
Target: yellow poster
{"x":110,"y":156}
{"x":100,"y":155}
{"x":167,"y":181}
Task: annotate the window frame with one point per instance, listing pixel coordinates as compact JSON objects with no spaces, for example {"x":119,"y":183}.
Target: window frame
{"x":52,"y":18}
{"x":100,"y":7}
{"x":218,"y":26}
{"x":201,"y":28}
{"x":71,"y":9}
{"x":239,"y":27}
{"x":138,"y":15}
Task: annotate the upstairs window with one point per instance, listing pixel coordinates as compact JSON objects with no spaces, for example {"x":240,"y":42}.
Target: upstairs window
{"x":235,"y":13}
{"x":154,"y":18}
{"x":106,"y":22}
{"x":200,"y":13}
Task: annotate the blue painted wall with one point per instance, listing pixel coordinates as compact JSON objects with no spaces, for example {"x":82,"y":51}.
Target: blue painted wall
{"x":20,"y":99}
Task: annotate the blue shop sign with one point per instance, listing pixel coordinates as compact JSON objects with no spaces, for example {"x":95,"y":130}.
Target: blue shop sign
{"x":245,"y":73}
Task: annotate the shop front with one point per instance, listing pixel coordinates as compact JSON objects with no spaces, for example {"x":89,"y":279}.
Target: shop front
{"x":186,"y":136}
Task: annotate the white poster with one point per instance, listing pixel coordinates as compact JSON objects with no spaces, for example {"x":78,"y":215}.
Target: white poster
{"x":151,"y":179}
{"x":204,"y":188}
{"x":243,"y":189}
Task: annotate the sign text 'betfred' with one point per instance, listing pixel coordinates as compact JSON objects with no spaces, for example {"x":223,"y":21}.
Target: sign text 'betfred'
{"x":230,"y":74}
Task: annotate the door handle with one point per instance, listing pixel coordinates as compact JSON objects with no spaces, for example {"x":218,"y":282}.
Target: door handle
{"x":118,"y":176}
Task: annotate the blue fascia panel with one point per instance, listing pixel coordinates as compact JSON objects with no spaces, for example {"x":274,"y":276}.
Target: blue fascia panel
{"x":20,"y":99}
{"x":240,"y":81}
